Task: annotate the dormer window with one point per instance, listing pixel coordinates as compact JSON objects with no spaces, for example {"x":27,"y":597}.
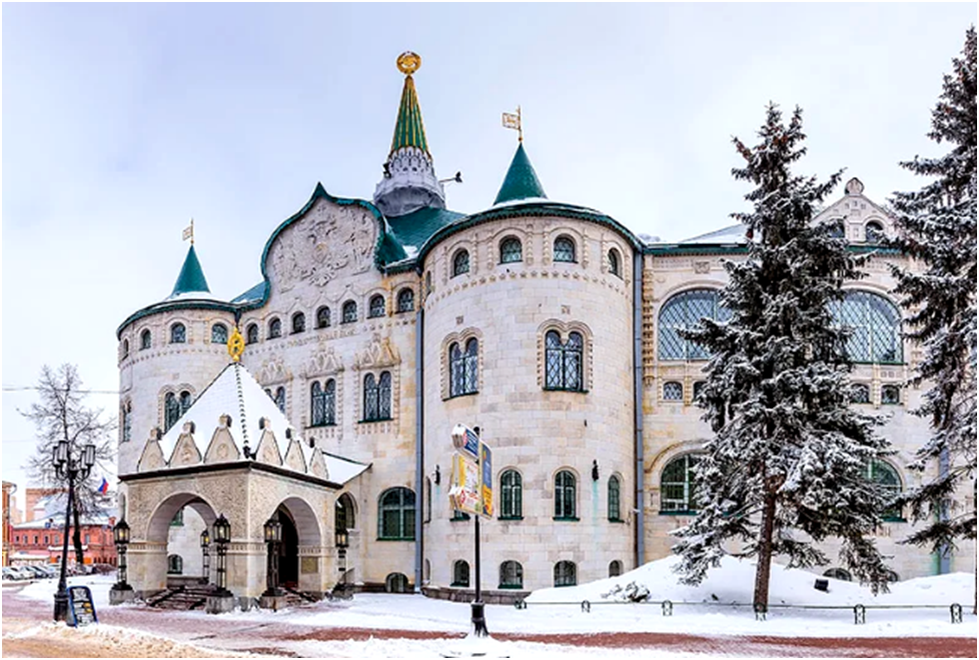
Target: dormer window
{"x":874,"y":232}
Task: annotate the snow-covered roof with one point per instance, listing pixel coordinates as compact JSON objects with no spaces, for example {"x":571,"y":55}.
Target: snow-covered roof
{"x":732,"y":234}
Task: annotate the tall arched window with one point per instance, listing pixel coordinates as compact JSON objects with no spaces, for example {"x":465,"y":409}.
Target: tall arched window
{"x":330,"y":403}
{"x":186,"y":399}
{"x":406,"y":300}
{"x":323,"y":317}
{"x":280,"y":399}
{"x":275,"y":328}
{"x":614,"y":262}
{"x":565,"y":574}
{"x":384,"y":395}
{"x":178,"y":333}
{"x":219,"y":333}
{"x":349,"y":312}
{"x":145,"y":340}
{"x":251,"y":333}
{"x":460,"y":573}
{"x":564,"y":249}
{"x":615,"y":568}
{"x":370,"y":398}
{"x":298,"y":323}
{"x":125,"y":348}
{"x":563,"y":362}
{"x":511,"y":575}
{"x":460,"y":263}
{"x":677,"y":487}
{"x":683,"y":312}
{"x":511,"y":495}
{"x":127,"y":421}
{"x":323,"y":403}
{"x":171,"y":411}
{"x":614,"y":499}
{"x":564,"y":496}
{"x":874,"y":328}
{"x":464,"y":368}
{"x":396,"y":515}
{"x":511,"y":250}
{"x":887,"y":479}
{"x":376,"y":307}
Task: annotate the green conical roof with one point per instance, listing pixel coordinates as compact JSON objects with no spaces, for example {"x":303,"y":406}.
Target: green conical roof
{"x":191,"y":278}
{"x":521,"y":180}
{"x":409,"y":131}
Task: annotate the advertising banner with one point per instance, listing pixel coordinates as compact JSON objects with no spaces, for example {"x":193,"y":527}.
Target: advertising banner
{"x":464,"y":494}
{"x":486,"y":490}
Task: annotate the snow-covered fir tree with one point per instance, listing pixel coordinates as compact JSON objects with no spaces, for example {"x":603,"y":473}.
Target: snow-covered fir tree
{"x":938,"y":229}
{"x":786,"y":467}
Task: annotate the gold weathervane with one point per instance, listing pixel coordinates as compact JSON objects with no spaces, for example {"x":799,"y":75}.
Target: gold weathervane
{"x":189,"y":232}
{"x":236,"y":345}
{"x":515,"y":122}
{"x":409,"y":62}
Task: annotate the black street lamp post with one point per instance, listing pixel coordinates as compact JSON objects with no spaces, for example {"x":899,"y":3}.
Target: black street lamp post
{"x":222,"y":536}
{"x":273,"y":535}
{"x":205,"y":556}
{"x":342,"y":543}
{"x":73,"y":469}
{"x":120,"y":534}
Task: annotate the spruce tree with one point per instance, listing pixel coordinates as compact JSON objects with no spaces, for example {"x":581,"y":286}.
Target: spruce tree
{"x":787,"y":465}
{"x":937,"y":228}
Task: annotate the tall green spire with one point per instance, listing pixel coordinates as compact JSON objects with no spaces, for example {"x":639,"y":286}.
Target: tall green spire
{"x":521,"y":180}
{"x":409,"y":131}
{"x":191,"y":278}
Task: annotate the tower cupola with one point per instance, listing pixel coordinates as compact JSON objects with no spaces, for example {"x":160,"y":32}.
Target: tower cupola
{"x":191,"y":281}
{"x":521,"y":182}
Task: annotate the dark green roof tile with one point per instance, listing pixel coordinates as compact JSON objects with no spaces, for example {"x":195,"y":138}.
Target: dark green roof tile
{"x":521,"y":180}
{"x":409,"y":131}
{"x":191,"y":278}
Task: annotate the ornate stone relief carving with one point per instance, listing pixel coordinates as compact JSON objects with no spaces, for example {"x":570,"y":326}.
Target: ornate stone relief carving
{"x":185,"y":452}
{"x":317,"y":465}
{"x":294,"y":456}
{"x":222,"y":447}
{"x":379,"y":353}
{"x":274,"y":370}
{"x":268,"y":451}
{"x":323,"y":362}
{"x":152,"y":458}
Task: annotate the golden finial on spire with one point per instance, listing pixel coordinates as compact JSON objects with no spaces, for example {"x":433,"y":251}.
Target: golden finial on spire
{"x":189,"y":232}
{"x":515,"y":122}
{"x":236,"y":345}
{"x":409,"y":62}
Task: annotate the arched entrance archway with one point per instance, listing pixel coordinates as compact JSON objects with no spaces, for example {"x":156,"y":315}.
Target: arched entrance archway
{"x":171,"y":553}
{"x":288,"y":550}
{"x":299,"y":555}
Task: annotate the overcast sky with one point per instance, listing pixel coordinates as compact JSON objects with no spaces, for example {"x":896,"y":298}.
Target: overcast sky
{"x":124,"y":121}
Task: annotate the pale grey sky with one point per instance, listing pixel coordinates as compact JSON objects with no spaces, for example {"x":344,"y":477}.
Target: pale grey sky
{"x":124,"y":121}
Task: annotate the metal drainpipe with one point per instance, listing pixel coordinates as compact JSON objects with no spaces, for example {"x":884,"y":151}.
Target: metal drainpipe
{"x":419,"y":445}
{"x":944,"y":555}
{"x":637,"y":269}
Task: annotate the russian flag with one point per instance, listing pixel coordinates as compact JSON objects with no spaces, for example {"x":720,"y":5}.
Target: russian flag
{"x":104,"y":488}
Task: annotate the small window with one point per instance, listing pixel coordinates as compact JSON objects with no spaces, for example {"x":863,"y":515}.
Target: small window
{"x":511,"y":250}
{"x":125,"y":348}
{"x":563,"y":362}
{"x":298,"y":323}
{"x":860,"y":393}
{"x":171,"y":411}
{"x":323,"y":317}
{"x":565,"y":574}
{"x":275,"y":328}
{"x":186,"y":399}
{"x":377,"y":397}
{"x":396,"y":583}
{"x":350,"y":312}
{"x":126,"y":421}
{"x":280,"y":399}
{"x":672,"y":391}
{"x":460,"y":263}
{"x":145,"y":340}
{"x":175,"y":565}
{"x":460,"y":574}
{"x":874,"y":232}
{"x":698,"y":389}
{"x":428,"y":283}
{"x":376,"y":307}
{"x":178,"y":333}
{"x":838,"y":574}
{"x":886,"y":477}
{"x":615,"y":568}
{"x":251,"y":333}
{"x":511,"y":495}
{"x":614,"y":499}
{"x":511,"y":575}
{"x":564,"y":496}
{"x":323,"y":403}
{"x":836,"y":228}
{"x":344,"y":512}
{"x":219,"y":333}
{"x":890,"y":395}
{"x":614,"y":262}
{"x":564,"y":249}
{"x":893,"y":577}
{"x":406,"y":300}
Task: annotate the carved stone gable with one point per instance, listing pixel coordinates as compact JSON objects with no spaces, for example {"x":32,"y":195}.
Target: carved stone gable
{"x":152,"y":458}
{"x":294,"y":456}
{"x":323,"y":363}
{"x":222,"y":447}
{"x":273,"y":370}
{"x":268,"y":451}
{"x":379,"y":353}
{"x":317,"y":465}
{"x":185,"y":452}
{"x":329,"y":240}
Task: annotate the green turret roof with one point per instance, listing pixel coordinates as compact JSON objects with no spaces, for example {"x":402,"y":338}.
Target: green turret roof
{"x":409,"y":131}
{"x":191,"y":278}
{"x":521,"y":180}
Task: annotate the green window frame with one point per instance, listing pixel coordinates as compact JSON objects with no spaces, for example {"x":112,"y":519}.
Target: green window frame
{"x":565,"y":496}
{"x":684,"y":312}
{"x":614,"y":499}
{"x":873,"y":326}
{"x":565,"y":574}
{"x":511,"y":575}
{"x":511,"y":495}
{"x":678,"y":487}
{"x":396,"y":515}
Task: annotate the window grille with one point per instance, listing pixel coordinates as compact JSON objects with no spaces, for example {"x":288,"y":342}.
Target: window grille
{"x":219,"y":333}
{"x":464,"y":368}
{"x":683,"y":312}
{"x":860,"y":393}
{"x":350,"y":312}
{"x":298,"y":323}
{"x":127,"y":422}
{"x":563,"y":362}
{"x":406,"y":300}
{"x":460,"y":574}
{"x":511,"y":250}
{"x":614,"y":496}
{"x":275,"y":329}
{"x":564,"y":249}
{"x":384,"y":395}
{"x":885,"y":476}
{"x":171,"y":411}
{"x":178,"y":334}
{"x":672,"y":391}
{"x":397,"y":515}
{"x":186,"y":399}
{"x":280,"y":399}
{"x":396,"y":583}
{"x":874,"y":232}
{"x":698,"y":389}
{"x":678,"y":488}
{"x":873,"y":326}
{"x":370,"y":398}
{"x":175,"y":565}
{"x":323,"y":317}
{"x":890,"y":395}
{"x":460,"y":263}
{"x":251,"y":333}
{"x":145,"y":340}
{"x":511,"y":494}
{"x":565,"y":574}
{"x":376,"y":308}
{"x":564,"y":495}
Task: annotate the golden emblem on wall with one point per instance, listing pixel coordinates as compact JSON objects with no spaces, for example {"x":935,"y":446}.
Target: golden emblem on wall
{"x":409,"y":62}
{"x":236,"y":345}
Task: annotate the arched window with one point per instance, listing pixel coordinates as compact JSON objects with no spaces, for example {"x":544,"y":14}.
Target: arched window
{"x":171,"y":411}
{"x":511,"y":495}
{"x":564,"y":249}
{"x":698,"y":388}
{"x":406,"y":300}
{"x":614,"y":262}
{"x":323,"y":403}
{"x":145,"y":340}
{"x":511,"y":575}
{"x":460,"y":263}
{"x":178,"y":333}
{"x":345,"y":518}
{"x":126,"y":422}
{"x":186,"y":399}
{"x":564,"y":496}
{"x":280,"y":399}
{"x":890,"y":395}
{"x":615,"y":568}
{"x":614,"y":499}
{"x":251,"y":333}
{"x":885,"y":476}
{"x":298,"y":323}
{"x":683,"y":312}
{"x":396,"y":583}
{"x":428,"y":283}
{"x":125,"y":348}
{"x":396,"y":515}
{"x":838,"y":574}
{"x":384,"y":395}
{"x":874,"y":328}
{"x":677,"y":486}
{"x":370,"y":398}
{"x":349,"y":312}
{"x":219,"y":333}
{"x":836,"y":228}
{"x":323,"y":317}
{"x":376,"y":308}
{"x":860,"y":393}
{"x":563,"y":362}
{"x":275,"y":328}
{"x":565,"y":574}
{"x":460,"y":573}
{"x":672,"y":391}
{"x":464,"y":368}
{"x":175,"y":565}
{"x":511,"y":250}
{"x":874,"y":232}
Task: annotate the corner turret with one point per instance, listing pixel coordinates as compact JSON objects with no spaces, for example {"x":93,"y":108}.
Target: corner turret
{"x":191,"y":282}
{"x":521,"y":182}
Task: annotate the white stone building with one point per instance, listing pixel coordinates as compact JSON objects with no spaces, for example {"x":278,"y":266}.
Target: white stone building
{"x":379,"y":325}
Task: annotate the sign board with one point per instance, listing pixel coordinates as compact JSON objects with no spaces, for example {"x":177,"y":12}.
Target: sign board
{"x":465,"y":440}
{"x":486,"y":490}
{"x":472,"y":473}
{"x":465,"y":491}
{"x":81,"y":609}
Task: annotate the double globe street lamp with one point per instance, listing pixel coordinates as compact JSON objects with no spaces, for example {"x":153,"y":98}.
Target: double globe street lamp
{"x":73,"y":468}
